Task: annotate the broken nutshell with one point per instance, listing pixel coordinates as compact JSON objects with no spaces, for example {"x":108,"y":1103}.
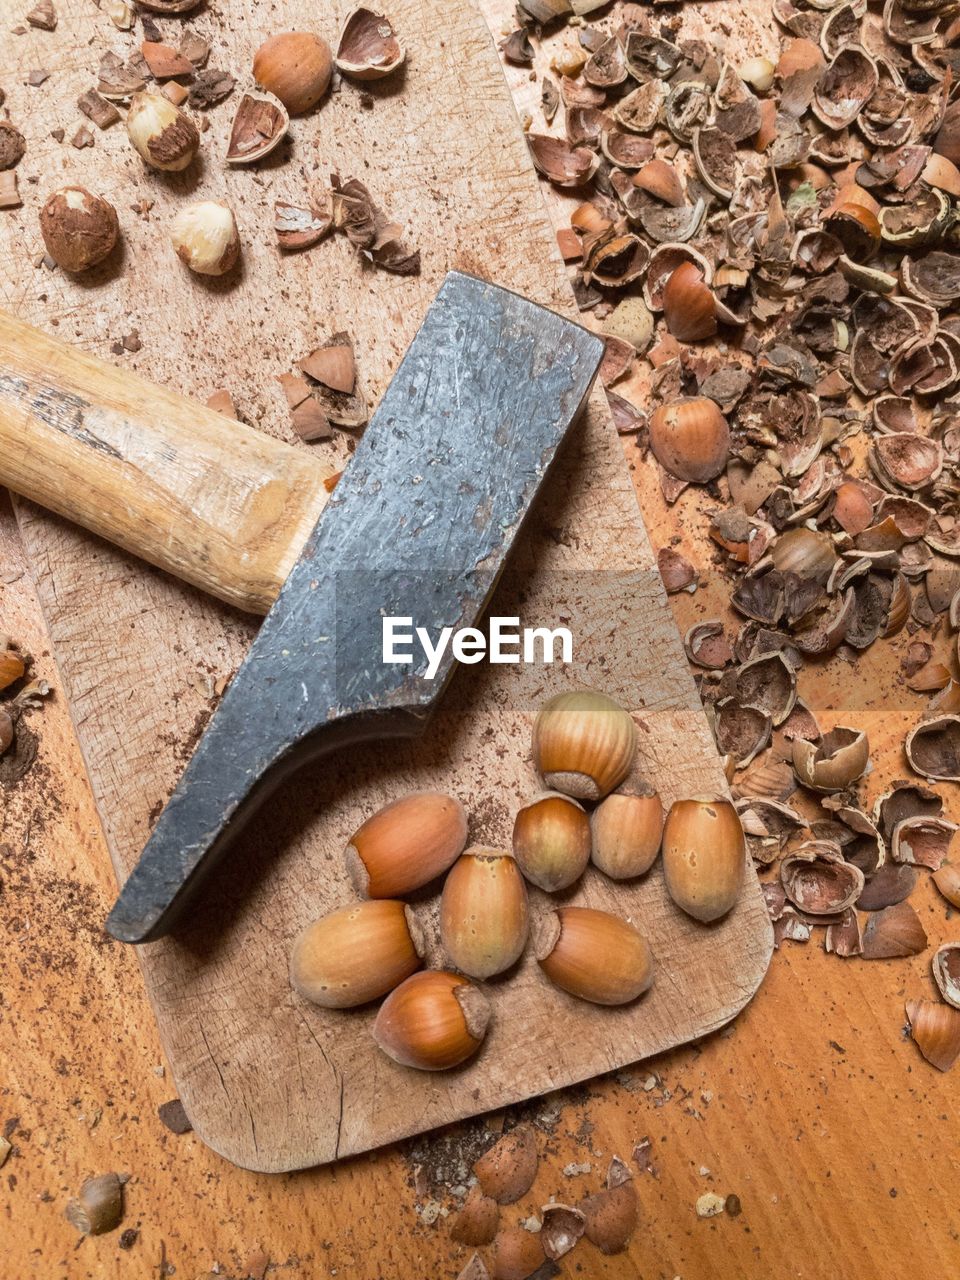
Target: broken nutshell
{"x":298,"y":227}
{"x":507,"y":1171}
{"x":260,"y":124}
{"x":935,"y":1028}
{"x":99,"y":1206}
{"x":368,"y":48}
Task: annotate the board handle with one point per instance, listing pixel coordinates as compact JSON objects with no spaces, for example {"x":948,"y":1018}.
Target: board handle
{"x":213,"y":501}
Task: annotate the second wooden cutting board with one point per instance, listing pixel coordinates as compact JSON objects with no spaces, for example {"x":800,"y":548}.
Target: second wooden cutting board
{"x":267,"y":1080}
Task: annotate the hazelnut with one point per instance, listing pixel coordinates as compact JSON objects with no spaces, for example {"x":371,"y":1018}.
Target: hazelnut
{"x":406,"y":844}
{"x":593,"y":955}
{"x":433,"y":1021}
{"x":626,"y":830}
{"x":12,"y":145}
{"x":205,"y":238}
{"x":551,"y":841}
{"x":703,"y":856}
{"x":164,"y":135}
{"x":295,"y":66}
{"x":583,"y":744}
{"x":356,"y":954}
{"x":688,"y":305}
{"x":758,"y":74}
{"x":78,"y":229}
{"x":690,"y":439}
{"x":483,"y":912}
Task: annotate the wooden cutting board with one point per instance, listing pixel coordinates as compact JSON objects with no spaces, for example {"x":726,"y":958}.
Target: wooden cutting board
{"x":268,"y":1081}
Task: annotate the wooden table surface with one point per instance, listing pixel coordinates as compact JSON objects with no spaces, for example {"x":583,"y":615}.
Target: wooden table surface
{"x":814,"y":1108}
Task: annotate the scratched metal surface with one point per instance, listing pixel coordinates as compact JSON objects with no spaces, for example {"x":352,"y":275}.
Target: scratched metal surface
{"x":268,"y":1081}
{"x":419,"y":526}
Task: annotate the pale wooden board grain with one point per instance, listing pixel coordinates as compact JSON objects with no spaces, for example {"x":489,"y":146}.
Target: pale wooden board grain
{"x":268,"y":1081}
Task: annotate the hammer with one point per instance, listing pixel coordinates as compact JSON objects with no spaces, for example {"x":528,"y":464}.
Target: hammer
{"x":419,"y":525}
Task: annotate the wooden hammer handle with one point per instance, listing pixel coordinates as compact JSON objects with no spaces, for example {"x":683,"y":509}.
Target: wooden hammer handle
{"x":215,"y":502}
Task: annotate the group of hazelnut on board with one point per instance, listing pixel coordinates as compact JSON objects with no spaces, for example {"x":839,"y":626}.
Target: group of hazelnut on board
{"x":584,"y":745}
{"x":293,"y":70}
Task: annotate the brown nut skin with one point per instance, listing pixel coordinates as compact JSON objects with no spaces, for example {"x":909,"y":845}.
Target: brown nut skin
{"x":594,"y":955}
{"x":433,"y":1021}
{"x":551,"y":841}
{"x":12,"y":145}
{"x":690,"y":439}
{"x":583,"y":744}
{"x":78,"y":229}
{"x":406,"y":844}
{"x":484,"y":916}
{"x":626,"y":831}
{"x":356,"y":954}
{"x":703,"y":857}
{"x":295,"y":66}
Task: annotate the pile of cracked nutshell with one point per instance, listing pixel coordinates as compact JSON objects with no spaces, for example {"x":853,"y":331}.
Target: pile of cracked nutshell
{"x":778,"y":238}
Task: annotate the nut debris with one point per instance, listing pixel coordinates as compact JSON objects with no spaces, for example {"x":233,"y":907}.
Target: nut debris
{"x":935,"y":1028}
{"x":368,"y":48}
{"x":9,"y":191}
{"x":102,"y":113}
{"x":99,"y":1206}
{"x":562,"y":1227}
{"x":946,"y":972}
{"x":506,"y":1172}
{"x":43,"y":16}
{"x":173,"y":1116}
{"x":517,"y":1254}
{"x":710,"y":1205}
{"x":299,"y":227}
{"x":477,"y":1221}
{"x":474,"y":1270}
{"x":894,"y":931}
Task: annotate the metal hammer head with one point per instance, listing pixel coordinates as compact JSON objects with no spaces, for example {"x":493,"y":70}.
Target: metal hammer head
{"x":420,"y":525}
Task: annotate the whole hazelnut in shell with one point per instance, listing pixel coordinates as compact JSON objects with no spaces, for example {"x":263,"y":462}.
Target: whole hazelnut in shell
{"x":79,"y":229}
{"x":704,"y":854}
{"x":295,"y":66}
{"x":584,"y":744}
{"x":690,"y":439}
